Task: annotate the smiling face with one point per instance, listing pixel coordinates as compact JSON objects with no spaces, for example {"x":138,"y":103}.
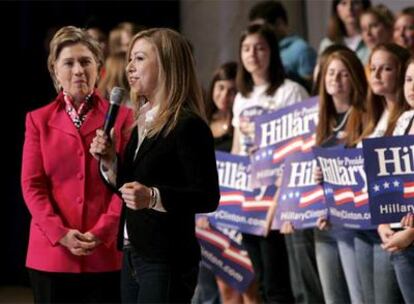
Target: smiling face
{"x":76,"y":70}
{"x":255,"y":55}
{"x":383,"y":73}
{"x":373,"y":31}
{"x":142,"y":68}
{"x":404,"y":31}
{"x":338,"y":80}
{"x":409,"y":85}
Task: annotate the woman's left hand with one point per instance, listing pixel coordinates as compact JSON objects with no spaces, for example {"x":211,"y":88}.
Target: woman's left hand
{"x":135,"y":195}
{"x":399,"y":240}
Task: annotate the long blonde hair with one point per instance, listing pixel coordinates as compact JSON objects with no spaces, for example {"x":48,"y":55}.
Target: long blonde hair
{"x":178,"y":90}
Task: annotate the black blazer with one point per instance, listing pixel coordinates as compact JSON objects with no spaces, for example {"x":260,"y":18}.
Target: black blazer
{"x":182,"y":166}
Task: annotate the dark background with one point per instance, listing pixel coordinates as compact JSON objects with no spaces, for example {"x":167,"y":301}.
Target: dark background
{"x":25,"y":84}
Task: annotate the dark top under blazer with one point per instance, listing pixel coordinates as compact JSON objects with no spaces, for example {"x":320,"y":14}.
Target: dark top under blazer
{"x":182,"y":166}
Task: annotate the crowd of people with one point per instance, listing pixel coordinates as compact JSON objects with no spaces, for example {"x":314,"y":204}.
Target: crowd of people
{"x":113,"y":213}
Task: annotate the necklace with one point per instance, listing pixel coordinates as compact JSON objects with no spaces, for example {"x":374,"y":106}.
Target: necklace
{"x":343,"y":121}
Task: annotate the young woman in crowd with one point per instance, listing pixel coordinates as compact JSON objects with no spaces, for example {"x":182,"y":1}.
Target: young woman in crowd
{"x":342,"y":91}
{"x":376,"y":24}
{"x":385,"y":104}
{"x":404,"y":29}
{"x":399,"y":242}
{"x":343,"y":27}
{"x":210,"y":288}
{"x":262,"y":87}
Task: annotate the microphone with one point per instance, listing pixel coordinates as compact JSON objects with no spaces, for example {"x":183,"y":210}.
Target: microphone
{"x":117,"y":94}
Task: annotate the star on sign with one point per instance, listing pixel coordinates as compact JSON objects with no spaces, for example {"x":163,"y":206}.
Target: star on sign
{"x":396,"y":183}
{"x":386,"y":185}
{"x":297,"y":194}
{"x":264,"y":154}
{"x":257,"y":157}
{"x":269,"y":152}
{"x":284,"y":197}
{"x":376,"y":188}
{"x":290,"y":194}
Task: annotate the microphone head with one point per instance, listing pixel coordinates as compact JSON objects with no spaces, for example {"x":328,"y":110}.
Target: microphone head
{"x":117,"y":94}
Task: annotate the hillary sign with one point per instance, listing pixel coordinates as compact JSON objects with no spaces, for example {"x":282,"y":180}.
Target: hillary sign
{"x":390,"y":172}
{"x":301,"y":200}
{"x":241,"y":207}
{"x":223,"y":254}
{"x":344,"y":181}
{"x":279,"y":134}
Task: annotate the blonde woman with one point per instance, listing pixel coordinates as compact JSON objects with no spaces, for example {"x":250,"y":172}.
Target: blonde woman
{"x":168,"y":173}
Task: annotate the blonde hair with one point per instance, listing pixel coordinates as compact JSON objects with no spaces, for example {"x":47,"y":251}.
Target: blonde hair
{"x":70,"y":35}
{"x":115,"y":75}
{"x":115,"y":35}
{"x":178,"y":90}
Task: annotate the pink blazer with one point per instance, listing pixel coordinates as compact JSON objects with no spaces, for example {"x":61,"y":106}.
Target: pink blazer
{"x":63,"y":189}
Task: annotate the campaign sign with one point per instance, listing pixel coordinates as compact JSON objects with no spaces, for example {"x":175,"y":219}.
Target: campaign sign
{"x":247,"y":117}
{"x":390,"y":172}
{"x":224,"y":255}
{"x":344,"y":182}
{"x":279,"y":134}
{"x":301,"y":200}
{"x":241,"y":207}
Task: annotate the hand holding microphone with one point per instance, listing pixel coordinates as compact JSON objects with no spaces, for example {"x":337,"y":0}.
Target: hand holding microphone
{"x":103,"y":144}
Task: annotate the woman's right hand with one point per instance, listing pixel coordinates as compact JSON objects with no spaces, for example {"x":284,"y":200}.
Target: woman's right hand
{"x":77,"y":243}
{"x":202,"y":222}
{"x":287,"y":228}
{"x":322,"y":223}
{"x":317,"y":175}
{"x":103,"y":148}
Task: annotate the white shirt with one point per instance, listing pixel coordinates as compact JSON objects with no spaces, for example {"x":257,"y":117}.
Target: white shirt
{"x":258,"y":103}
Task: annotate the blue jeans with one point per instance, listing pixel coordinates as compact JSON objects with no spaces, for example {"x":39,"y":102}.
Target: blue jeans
{"x":349,"y":264}
{"x":143,"y":281}
{"x":332,"y":277}
{"x":378,"y":278}
{"x":403,"y":262}
{"x":304,"y":275}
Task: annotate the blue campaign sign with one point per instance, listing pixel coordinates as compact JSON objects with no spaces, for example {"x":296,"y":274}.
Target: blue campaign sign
{"x":344,"y":182}
{"x":301,"y":200}
{"x":279,"y":134}
{"x":390,"y":172}
{"x":241,"y":207}
{"x":222,"y":252}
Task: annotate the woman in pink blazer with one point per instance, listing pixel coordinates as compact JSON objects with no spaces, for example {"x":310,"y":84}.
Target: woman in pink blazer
{"x":72,"y":255}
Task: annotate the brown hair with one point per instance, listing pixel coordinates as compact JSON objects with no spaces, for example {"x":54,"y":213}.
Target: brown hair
{"x":336,"y":28}
{"x":327,"y":121}
{"x":178,"y":90}
{"x":70,"y":35}
{"x":376,"y":104}
{"x":276,"y":73}
{"x":227,"y":71}
{"x":382,"y":14}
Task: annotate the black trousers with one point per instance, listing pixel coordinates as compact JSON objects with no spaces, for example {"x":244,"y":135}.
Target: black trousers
{"x":271,"y":266}
{"x":51,"y":287}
